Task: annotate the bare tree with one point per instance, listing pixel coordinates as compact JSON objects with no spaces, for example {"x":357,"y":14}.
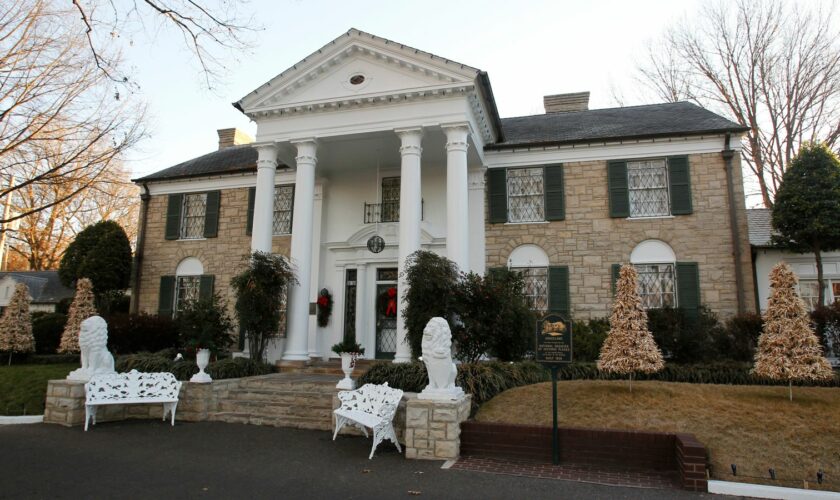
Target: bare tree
{"x":769,"y":65}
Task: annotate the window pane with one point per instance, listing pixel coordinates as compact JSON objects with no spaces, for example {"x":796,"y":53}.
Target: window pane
{"x":657,"y":285}
{"x":192,"y":222}
{"x":390,"y":211}
{"x":648,"y":188}
{"x":535,"y":287}
{"x":186,"y":291}
{"x":525,"y":195}
{"x":809,"y":291}
{"x":283,"y":209}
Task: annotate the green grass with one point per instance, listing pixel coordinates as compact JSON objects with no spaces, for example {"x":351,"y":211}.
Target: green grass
{"x":23,"y":388}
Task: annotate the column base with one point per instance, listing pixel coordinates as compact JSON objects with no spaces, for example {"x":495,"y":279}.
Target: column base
{"x":296,"y":356}
{"x":402,"y":359}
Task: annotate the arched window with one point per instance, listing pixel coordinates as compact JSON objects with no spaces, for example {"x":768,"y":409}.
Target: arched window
{"x":532,"y":262}
{"x":655,"y":261}
{"x":187,"y":282}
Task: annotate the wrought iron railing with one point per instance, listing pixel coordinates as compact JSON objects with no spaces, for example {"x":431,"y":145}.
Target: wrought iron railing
{"x":388,"y":211}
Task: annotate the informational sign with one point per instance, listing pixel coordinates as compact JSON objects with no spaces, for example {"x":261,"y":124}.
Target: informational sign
{"x":554,"y":340}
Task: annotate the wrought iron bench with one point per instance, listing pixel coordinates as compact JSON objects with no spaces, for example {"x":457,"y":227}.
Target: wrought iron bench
{"x":371,"y":406}
{"x":131,"y":388}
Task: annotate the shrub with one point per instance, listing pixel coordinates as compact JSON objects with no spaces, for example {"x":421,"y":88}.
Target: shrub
{"x":431,"y":281}
{"x":826,"y":321}
{"x":238,"y":368}
{"x":52,"y":359}
{"x":738,"y":339}
{"x":205,"y":324}
{"x":100,"y":252}
{"x":588,"y":337}
{"x":133,"y":333}
{"x":186,"y":368}
{"x":47,"y":330}
{"x":685,"y":339}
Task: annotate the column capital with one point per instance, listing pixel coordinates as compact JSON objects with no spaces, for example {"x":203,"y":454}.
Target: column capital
{"x":266,"y":154}
{"x":456,"y":136}
{"x":306,"y":150}
{"x":411,"y":139}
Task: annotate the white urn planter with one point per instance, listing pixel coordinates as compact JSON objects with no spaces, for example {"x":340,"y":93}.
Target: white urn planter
{"x":348,"y":362}
{"x":202,"y":359}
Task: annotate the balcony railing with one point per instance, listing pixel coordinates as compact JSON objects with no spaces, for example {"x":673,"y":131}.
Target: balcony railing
{"x":388,"y":211}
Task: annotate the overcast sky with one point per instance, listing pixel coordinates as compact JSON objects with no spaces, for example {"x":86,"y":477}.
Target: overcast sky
{"x":529,"y":49}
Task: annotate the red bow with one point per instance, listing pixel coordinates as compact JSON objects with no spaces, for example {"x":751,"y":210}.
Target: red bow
{"x":391,"y":310}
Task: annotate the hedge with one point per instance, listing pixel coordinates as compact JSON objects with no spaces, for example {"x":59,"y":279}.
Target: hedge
{"x":185,"y":368}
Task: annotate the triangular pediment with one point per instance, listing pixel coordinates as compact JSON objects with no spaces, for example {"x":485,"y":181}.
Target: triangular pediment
{"x":358,"y":67}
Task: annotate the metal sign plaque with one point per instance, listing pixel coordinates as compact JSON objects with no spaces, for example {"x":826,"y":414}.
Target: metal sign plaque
{"x":554,"y":340}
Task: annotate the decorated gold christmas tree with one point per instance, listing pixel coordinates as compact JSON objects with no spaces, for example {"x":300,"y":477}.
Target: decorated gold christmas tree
{"x":16,"y":324}
{"x":788,"y":349}
{"x":629,"y":347}
{"x":81,"y":309}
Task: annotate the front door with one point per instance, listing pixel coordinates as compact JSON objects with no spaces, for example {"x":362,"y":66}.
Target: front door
{"x":386,"y":313}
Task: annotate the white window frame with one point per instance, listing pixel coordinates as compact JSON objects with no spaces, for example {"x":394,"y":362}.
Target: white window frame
{"x":530,"y":276}
{"x":278,"y":190}
{"x":539,"y":207}
{"x":660,"y":298}
{"x":184,"y":294}
{"x":647,"y":163}
{"x":182,"y":231}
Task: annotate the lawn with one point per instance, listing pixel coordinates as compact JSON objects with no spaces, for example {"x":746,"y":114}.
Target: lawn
{"x":755,"y":427}
{"x":23,"y":388}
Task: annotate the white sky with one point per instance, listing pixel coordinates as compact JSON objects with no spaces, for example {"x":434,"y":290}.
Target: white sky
{"x":529,"y":49}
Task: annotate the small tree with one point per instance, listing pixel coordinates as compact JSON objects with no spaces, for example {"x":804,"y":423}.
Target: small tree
{"x":807,"y":206}
{"x":788,"y":349}
{"x":206,"y":324}
{"x":16,"y":324}
{"x":101,"y":253}
{"x":260,"y":294}
{"x":629,"y":347}
{"x":431,"y":281}
{"x":81,"y":309}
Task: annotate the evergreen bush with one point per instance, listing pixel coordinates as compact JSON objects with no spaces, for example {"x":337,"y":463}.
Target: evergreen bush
{"x":206,"y":324}
{"x":133,"y":333}
{"x":588,"y":337}
{"x":47,"y":330}
{"x":683,"y":338}
{"x":185,"y":368}
{"x":431,"y":281}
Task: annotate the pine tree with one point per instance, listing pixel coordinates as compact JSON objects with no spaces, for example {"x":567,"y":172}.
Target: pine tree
{"x":629,"y":346}
{"x":16,"y":324}
{"x":788,"y":348}
{"x":81,"y":309}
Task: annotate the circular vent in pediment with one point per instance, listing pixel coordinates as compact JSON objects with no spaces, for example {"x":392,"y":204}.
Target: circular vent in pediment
{"x":357,"y":79}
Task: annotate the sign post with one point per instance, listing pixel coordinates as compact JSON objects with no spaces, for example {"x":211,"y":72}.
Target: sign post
{"x":554,"y":348}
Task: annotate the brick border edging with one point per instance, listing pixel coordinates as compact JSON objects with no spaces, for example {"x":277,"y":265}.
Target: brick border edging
{"x":681,"y":452}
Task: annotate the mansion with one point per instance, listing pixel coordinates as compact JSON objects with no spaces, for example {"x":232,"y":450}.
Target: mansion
{"x":368,"y":150}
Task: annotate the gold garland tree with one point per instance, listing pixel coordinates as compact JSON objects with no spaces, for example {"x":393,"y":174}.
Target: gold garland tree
{"x":16,"y":324}
{"x":788,"y":348}
{"x":629,"y":347}
{"x":81,"y":309}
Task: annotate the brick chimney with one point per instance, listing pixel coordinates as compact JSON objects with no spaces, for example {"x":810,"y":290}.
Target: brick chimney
{"x":233,"y":137}
{"x":565,"y":103}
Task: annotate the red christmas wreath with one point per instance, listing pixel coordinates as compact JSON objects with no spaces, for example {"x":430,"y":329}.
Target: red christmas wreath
{"x":325,"y":305}
{"x":387,"y":303}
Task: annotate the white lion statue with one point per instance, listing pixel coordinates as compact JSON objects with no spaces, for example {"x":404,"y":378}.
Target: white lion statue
{"x":437,"y":355}
{"x":93,"y":342}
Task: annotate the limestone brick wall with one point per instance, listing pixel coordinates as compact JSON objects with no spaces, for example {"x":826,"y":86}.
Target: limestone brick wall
{"x":221,"y":256}
{"x":589,"y":241}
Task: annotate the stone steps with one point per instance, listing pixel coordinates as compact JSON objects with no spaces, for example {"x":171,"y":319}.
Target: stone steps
{"x":331,"y":367}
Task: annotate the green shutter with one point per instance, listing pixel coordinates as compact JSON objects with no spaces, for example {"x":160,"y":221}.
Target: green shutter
{"x":680,"y":179}
{"x":688,"y":288}
{"x":166,"y":298}
{"x":497,"y":195}
{"x":615,"y":270}
{"x":211,"y":214}
{"x":252,"y":192}
{"x":555,"y":198}
{"x":173,"y":216}
{"x":617,"y":185}
{"x":558,"y":291}
{"x":205,"y":286}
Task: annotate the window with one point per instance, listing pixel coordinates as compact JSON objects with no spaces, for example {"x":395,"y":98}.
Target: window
{"x":526,"y":199}
{"x":647,"y":183}
{"x":192,"y":216}
{"x":186,"y":290}
{"x":390,"y":199}
{"x":535,"y":287}
{"x":283,"y":202}
{"x":657,"y":285}
{"x":809,"y":291}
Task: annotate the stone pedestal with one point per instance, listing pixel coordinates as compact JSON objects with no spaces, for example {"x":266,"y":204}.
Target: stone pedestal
{"x":433,"y":428}
{"x":65,"y":403}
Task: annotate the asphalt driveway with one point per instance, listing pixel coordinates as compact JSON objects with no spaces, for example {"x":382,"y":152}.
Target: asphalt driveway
{"x":150,"y":459}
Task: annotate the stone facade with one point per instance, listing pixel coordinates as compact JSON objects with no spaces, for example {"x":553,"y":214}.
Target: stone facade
{"x":221,"y":256}
{"x":589,"y":241}
{"x":433,"y":428}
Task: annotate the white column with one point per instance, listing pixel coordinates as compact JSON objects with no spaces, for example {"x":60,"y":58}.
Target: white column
{"x":478,"y":258}
{"x":457,"y":196}
{"x":316,"y":341}
{"x":301,"y":252}
{"x":263,"y":224}
{"x":410,"y":215}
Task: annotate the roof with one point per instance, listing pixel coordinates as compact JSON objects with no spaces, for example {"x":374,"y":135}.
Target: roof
{"x":230,"y":160}
{"x":45,"y":287}
{"x":631,"y":122}
{"x":759,"y":221}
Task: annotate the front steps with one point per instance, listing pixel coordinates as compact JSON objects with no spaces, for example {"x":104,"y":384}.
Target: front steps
{"x":331,"y":367}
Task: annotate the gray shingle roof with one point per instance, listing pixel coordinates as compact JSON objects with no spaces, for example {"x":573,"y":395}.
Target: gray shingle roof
{"x":760,"y":227}
{"x":654,"y":120}
{"x":230,"y":160}
{"x":45,"y":287}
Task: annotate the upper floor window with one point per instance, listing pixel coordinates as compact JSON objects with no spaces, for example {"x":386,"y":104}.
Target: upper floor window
{"x":192,"y":216}
{"x":647,"y":183}
{"x":283,"y":202}
{"x":390,"y":211}
{"x":525,"y":195}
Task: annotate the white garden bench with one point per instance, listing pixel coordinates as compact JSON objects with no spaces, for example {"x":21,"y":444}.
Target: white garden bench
{"x":371,"y":406}
{"x":131,"y":388}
